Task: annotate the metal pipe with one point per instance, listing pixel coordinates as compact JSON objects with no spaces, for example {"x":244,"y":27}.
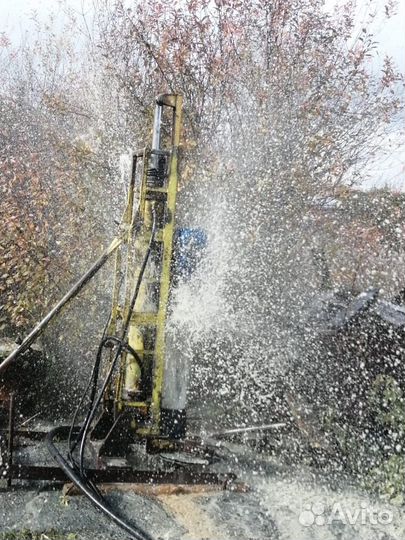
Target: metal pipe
{"x":157,"y":124}
{"x":252,"y":429}
{"x":74,"y":291}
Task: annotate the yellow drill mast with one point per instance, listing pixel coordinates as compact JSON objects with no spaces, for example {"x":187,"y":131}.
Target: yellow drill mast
{"x":136,"y":394}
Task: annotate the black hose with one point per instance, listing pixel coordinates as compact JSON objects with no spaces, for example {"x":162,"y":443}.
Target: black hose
{"x":135,"y":531}
{"x":93,"y":383}
{"x":94,"y":378}
{"x":74,"y":471}
{"x":92,"y":413}
{"x":72,"y":445}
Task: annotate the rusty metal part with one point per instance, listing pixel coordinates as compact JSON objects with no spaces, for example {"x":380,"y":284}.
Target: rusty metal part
{"x":157,"y":490}
{"x":194,"y":446}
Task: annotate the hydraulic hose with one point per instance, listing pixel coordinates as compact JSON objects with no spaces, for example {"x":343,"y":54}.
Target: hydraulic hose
{"x":92,"y":412}
{"x":135,"y":531}
{"x":93,"y":384}
{"x":72,"y":445}
{"x":76,"y":472}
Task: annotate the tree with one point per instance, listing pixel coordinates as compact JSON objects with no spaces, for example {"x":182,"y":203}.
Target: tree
{"x":281,"y":108}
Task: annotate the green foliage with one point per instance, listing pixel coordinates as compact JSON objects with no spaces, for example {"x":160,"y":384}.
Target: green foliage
{"x":388,"y":480}
{"x":387,"y":404}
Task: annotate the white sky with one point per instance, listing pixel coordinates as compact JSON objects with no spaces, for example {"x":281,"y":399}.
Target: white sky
{"x":15,"y":21}
{"x":392,"y":35}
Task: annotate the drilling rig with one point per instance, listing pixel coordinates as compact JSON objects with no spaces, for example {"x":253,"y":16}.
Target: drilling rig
{"x":132,"y":401}
{"x":133,"y":397}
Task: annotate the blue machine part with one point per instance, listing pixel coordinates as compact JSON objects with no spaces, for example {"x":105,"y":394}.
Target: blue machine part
{"x":189,"y":246}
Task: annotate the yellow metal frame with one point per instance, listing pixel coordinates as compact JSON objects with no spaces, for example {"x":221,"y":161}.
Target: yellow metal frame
{"x":176,"y":102}
{"x":139,"y":241}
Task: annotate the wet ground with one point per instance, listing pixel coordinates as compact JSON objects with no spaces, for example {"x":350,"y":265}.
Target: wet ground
{"x":283,"y":504}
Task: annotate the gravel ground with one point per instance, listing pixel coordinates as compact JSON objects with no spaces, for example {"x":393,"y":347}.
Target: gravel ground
{"x":279,"y":506}
{"x":284,"y":503}
{"x":216,"y":516}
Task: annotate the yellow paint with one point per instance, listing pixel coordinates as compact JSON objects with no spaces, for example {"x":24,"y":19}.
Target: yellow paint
{"x":133,"y":372}
{"x":137,"y":230}
{"x":176,"y":101}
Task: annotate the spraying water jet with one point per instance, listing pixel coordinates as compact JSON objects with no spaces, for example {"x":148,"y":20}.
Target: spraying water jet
{"x":134,"y":398}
